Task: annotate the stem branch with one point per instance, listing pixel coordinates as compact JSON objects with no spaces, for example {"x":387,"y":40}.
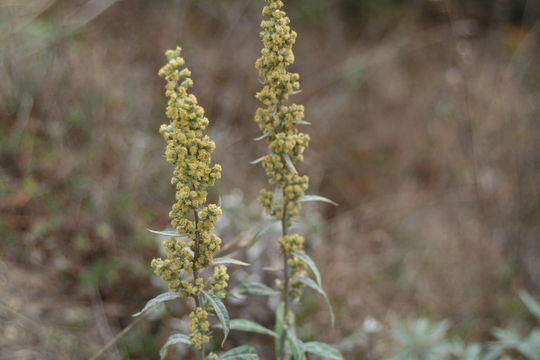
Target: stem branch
{"x":117,"y":337}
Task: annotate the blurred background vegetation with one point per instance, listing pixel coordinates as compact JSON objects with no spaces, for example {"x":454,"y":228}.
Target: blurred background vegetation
{"x":425,"y":131}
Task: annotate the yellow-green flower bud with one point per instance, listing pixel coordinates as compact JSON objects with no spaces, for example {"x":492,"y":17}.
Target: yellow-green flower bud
{"x":199,"y":328}
{"x":190,"y":152}
{"x":276,"y":119}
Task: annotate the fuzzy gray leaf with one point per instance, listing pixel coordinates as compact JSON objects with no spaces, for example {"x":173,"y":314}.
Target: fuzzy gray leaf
{"x":221,"y":313}
{"x":171,"y":295}
{"x":313,"y":285}
{"x":173,"y":340}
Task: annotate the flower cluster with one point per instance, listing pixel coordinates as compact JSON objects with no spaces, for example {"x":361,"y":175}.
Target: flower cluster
{"x":190,"y":154}
{"x":277,"y":120}
{"x":219,"y":281}
{"x":199,"y":328}
{"x":290,"y":244}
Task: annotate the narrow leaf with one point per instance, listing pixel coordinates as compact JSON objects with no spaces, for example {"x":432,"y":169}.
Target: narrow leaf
{"x":531,"y":304}
{"x":323,"y":350}
{"x":244,"y":352}
{"x":262,"y":137}
{"x":309,"y":261}
{"x":173,"y":340}
{"x":167,"y":233}
{"x":302,"y":122}
{"x":295,"y":345}
{"x":260,"y":232}
{"x":171,"y":295}
{"x":255,"y":288}
{"x":307,"y":198}
{"x":256,"y":161}
{"x":221,"y":312}
{"x":313,"y":285}
{"x":225,"y":260}
{"x":289,"y":163}
{"x":250,"y":326}
{"x":241,"y":357}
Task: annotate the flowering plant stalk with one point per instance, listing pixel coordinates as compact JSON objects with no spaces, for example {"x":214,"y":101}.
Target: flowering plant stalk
{"x":190,"y":248}
{"x":278,"y":122}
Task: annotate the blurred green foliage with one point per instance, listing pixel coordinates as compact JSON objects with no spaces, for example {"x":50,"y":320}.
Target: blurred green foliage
{"x":421,"y":339}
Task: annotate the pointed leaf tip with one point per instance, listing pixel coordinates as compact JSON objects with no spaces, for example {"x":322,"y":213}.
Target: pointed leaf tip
{"x":313,"y":285}
{"x":309,"y":262}
{"x":225,"y":260}
{"x":171,"y":295}
{"x":308,"y":198}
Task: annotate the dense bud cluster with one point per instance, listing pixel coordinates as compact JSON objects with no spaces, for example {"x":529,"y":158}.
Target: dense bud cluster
{"x":199,"y":328}
{"x":290,"y":244}
{"x":278,"y":120}
{"x":191,"y":154}
{"x":219,"y":281}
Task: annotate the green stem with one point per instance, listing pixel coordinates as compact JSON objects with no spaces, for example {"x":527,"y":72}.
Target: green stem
{"x":198,"y":300}
{"x":285,"y":294}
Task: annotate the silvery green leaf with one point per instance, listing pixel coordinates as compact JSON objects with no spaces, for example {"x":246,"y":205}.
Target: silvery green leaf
{"x":302,"y":122}
{"x":260,"y":232}
{"x":255,"y":288}
{"x":244,"y":352}
{"x":307,"y":198}
{"x":421,"y":337}
{"x":507,"y":337}
{"x":168,"y":233}
{"x":323,"y":350}
{"x":242,"y":357}
{"x":221,"y":313}
{"x":295,"y":345}
{"x":494,"y":351}
{"x":256,"y":161}
{"x":264,"y":136}
{"x":173,"y":340}
{"x":171,"y":295}
{"x":531,"y":304}
{"x":460,"y":351}
{"x":289,"y":163}
{"x":309,"y":262}
{"x":530,"y":346}
{"x":313,"y":285}
{"x":250,"y":326}
{"x":225,"y":260}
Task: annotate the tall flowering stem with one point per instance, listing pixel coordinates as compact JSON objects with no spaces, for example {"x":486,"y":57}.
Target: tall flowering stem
{"x":278,"y":121}
{"x":189,"y":151}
